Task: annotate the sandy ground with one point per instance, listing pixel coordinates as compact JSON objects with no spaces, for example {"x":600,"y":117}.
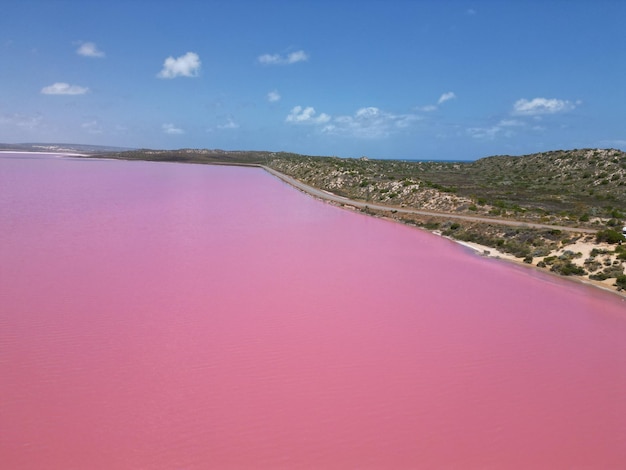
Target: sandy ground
{"x":580,"y":246}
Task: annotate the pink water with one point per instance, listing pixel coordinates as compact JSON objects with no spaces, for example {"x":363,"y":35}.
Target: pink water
{"x":167,"y":316}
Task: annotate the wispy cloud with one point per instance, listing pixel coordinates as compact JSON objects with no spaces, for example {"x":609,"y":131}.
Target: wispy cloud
{"x":273,"y":96}
{"x":446,"y":97}
{"x":427,"y":109}
{"x":523,"y":114}
{"x":61,"y":88}
{"x":306,"y":115}
{"x":370,"y":122}
{"x":187,"y":65}
{"x":93,"y":127}
{"x":450,"y":95}
{"x":230,"y":124}
{"x":172,"y":129}
{"x":89,"y":49}
{"x":538,"y":106}
{"x":486,"y":133}
{"x":277,"y":59}
{"x":22,"y":121}
{"x":504,"y":128}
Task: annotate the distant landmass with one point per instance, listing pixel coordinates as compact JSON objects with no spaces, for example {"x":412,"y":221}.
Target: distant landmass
{"x":71,"y":148}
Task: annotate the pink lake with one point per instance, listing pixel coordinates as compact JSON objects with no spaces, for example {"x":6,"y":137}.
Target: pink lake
{"x":170,"y":316}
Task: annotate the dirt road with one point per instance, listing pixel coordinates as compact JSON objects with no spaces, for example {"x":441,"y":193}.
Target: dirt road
{"x":403,"y":210}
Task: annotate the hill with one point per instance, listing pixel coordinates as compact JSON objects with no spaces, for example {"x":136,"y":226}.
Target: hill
{"x":571,"y":187}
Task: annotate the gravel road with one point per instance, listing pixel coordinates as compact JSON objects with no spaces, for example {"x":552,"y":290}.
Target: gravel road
{"x":325,"y":195}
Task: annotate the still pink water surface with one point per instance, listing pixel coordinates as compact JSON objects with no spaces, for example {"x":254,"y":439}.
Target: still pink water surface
{"x":169,"y":316}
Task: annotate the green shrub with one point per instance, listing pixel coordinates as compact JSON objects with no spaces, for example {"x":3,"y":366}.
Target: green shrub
{"x":567,"y":268}
{"x":609,"y":236}
{"x":607,"y":273}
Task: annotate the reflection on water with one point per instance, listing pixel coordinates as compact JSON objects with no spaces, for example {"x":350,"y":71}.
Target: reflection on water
{"x":181,"y":316}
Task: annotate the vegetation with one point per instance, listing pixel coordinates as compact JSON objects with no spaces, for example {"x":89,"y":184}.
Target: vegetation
{"x":566,"y":190}
{"x":575,"y":187}
{"x":610,"y":236}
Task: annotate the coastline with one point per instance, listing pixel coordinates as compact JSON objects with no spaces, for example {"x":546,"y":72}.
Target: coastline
{"x":480,"y":250}
{"x":488,"y":252}
{"x":388,"y":212}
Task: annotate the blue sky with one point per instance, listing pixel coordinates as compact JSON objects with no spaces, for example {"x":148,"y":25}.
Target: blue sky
{"x":386,"y":79}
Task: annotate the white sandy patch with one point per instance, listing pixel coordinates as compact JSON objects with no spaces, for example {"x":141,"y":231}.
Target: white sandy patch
{"x":584,"y":248}
{"x":487,"y":250}
{"x":56,"y":154}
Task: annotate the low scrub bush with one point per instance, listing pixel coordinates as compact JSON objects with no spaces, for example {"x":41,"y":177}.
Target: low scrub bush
{"x":567,"y":268}
{"x":609,"y":236}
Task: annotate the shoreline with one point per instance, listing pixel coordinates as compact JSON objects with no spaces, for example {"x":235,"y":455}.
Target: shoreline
{"x":379,"y":212}
{"x":488,"y":252}
{"x":477,"y":249}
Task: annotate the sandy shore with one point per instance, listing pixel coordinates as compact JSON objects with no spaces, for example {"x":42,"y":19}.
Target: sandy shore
{"x":584,"y":246}
{"x":580,"y":246}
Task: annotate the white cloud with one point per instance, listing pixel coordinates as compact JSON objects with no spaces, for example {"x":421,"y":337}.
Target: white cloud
{"x":187,"y":65}
{"x":273,"y":96}
{"x":269,"y":59}
{"x":89,"y":49}
{"x":277,"y":59}
{"x":446,"y":97}
{"x":172,"y":129}
{"x":298,"y":56}
{"x":229,"y":125}
{"x":306,"y":115}
{"x":369,"y":122}
{"x":442,"y":99}
{"x":61,"y":88}
{"x":538,"y":106}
